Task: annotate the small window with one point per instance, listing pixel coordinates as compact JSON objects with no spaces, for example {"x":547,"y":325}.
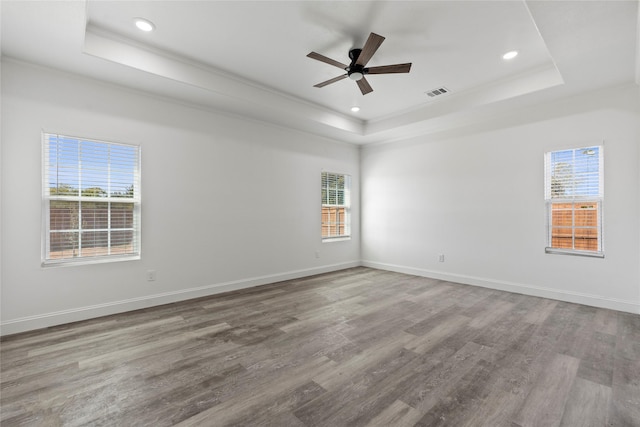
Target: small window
{"x":336,"y":206}
{"x":574,"y":198}
{"x":91,"y":200}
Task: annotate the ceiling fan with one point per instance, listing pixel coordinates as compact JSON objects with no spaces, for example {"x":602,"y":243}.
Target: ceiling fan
{"x":356,"y":70}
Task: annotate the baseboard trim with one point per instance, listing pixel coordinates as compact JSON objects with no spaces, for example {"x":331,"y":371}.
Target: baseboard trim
{"x":537,"y":291}
{"x":46,"y":320}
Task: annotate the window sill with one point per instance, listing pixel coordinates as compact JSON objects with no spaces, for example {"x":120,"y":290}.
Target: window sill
{"x":69,"y":262}
{"x":591,"y":254}
{"x":335,"y":239}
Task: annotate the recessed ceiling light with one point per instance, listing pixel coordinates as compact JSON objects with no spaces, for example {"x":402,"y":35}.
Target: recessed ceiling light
{"x":355,"y":109}
{"x":510,"y":55}
{"x":144,"y":24}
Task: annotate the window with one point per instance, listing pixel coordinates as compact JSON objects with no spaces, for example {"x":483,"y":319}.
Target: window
{"x":336,"y":206}
{"x":91,"y":200}
{"x":574,"y":197}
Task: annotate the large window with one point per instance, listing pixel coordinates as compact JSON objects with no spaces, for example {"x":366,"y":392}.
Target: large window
{"x":574,"y":197}
{"x":336,"y":204}
{"x":91,"y":200}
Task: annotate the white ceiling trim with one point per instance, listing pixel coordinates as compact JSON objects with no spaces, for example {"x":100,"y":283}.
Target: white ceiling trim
{"x":542,"y":78}
{"x":260,"y":101}
{"x":567,"y":48}
{"x":263,"y":103}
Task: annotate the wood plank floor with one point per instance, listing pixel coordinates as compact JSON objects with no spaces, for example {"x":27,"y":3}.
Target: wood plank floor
{"x":358,"y":347}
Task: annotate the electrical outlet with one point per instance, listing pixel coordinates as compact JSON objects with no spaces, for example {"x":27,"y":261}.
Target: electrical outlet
{"x":441,"y":258}
{"x":317,"y":254}
{"x":151,"y":275}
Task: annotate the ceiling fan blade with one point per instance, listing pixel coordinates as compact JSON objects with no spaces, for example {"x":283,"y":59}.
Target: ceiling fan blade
{"x":364,"y":86}
{"x":322,"y":58}
{"x":388,"y":69}
{"x":333,"y":80}
{"x":371,"y":45}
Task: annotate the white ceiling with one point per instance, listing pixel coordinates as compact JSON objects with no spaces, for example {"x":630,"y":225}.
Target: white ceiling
{"x":249,"y":57}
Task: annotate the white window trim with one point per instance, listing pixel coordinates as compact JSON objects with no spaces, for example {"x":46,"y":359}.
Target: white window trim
{"x":46,"y":199}
{"x":598,"y":199}
{"x":347,"y":206}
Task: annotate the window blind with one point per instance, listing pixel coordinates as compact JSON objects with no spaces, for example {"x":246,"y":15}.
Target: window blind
{"x":91,"y":199}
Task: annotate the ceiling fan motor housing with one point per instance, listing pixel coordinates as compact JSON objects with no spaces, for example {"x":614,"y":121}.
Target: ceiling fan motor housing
{"x":355,"y":71}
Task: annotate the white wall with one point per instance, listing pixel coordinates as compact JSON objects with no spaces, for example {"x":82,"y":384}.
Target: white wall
{"x":226,"y":202}
{"x":476,"y":196}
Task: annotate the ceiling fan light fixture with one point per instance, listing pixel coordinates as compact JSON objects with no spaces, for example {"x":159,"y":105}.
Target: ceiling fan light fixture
{"x":144,"y":24}
{"x":356,"y":76}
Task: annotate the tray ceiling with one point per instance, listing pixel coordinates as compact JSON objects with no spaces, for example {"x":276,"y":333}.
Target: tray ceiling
{"x":249,"y":57}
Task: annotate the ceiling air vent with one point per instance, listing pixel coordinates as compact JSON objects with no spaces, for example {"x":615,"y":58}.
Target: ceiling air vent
{"x":437,"y":92}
